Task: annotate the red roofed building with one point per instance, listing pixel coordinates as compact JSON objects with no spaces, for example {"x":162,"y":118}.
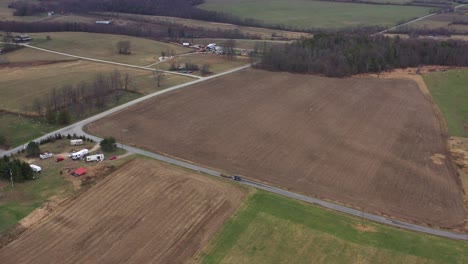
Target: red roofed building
{"x":79,"y":172}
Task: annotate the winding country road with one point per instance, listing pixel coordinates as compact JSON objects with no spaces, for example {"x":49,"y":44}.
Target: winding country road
{"x":77,"y":128}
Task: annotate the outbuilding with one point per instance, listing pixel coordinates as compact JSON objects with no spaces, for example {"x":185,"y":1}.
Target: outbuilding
{"x":79,"y":172}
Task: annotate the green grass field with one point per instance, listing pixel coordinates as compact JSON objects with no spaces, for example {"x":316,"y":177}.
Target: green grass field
{"x":316,"y":14}
{"x":19,"y":130}
{"x":273,"y":229}
{"x":104,"y":46}
{"x":25,"y":197}
{"x":450,"y":92}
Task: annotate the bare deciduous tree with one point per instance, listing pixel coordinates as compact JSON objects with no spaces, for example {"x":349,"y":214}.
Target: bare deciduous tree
{"x":124,"y":47}
{"x":37,"y":106}
{"x":229,"y":48}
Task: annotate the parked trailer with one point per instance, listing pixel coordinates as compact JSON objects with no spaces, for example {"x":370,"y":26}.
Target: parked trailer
{"x":79,"y":154}
{"x":76,"y":142}
{"x":35,"y":168}
{"x":96,"y":157}
{"x":46,"y":155}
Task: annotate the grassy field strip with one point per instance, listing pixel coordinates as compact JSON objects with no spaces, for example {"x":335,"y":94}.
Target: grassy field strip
{"x":273,"y":229}
{"x":450,"y":92}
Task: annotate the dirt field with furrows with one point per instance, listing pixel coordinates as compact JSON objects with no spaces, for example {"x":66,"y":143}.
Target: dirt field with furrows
{"x":367,"y":142}
{"x":146,"y":212}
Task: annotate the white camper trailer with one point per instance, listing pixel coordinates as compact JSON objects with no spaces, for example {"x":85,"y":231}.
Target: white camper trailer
{"x":76,"y":142}
{"x":35,"y":168}
{"x":96,"y":157}
{"x":79,"y":154}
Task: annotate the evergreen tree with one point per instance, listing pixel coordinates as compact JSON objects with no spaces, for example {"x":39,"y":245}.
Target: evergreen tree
{"x":108,"y":144}
{"x":33,"y":150}
{"x":64,"y":117}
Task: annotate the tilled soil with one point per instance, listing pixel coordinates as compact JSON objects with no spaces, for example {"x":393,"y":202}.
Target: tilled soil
{"x":364,"y":141}
{"x":146,"y":212}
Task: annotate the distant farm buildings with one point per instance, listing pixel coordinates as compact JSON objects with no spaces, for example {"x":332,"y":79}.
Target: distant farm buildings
{"x":22,"y":38}
{"x":104,"y":22}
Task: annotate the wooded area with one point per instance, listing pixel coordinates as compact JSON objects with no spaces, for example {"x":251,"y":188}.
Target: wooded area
{"x":342,"y":54}
{"x":82,"y":97}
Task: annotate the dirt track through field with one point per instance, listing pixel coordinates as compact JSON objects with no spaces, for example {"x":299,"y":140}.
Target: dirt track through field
{"x":146,"y":212}
{"x":365,"y":142}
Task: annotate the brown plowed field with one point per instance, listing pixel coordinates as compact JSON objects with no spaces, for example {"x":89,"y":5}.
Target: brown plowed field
{"x":367,"y":142}
{"x":146,"y":212}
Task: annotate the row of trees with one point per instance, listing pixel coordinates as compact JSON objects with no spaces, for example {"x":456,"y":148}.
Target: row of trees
{"x":105,"y":88}
{"x":158,"y":31}
{"x":15,"y":169}
{"x":428,"y":3}
{"x":347,"y":54}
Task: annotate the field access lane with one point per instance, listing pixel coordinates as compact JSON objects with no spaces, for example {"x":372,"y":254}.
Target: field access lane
{"x":108,"y":62}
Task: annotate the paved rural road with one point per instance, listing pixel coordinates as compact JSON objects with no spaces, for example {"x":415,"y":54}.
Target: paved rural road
{"x":414,"y":20}
{"x":77,"y":128}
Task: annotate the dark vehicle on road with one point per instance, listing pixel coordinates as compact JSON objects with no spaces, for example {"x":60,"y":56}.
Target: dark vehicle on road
{"x":236,"y":178}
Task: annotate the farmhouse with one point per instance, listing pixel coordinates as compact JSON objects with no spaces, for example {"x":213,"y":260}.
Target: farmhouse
{"x":22,"y":38}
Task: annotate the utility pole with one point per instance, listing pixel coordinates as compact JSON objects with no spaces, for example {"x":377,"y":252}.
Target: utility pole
{"x":11,"y":179}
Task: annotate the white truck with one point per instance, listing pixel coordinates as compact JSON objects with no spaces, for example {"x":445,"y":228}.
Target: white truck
{"x":76,"y":142}
{"x":79,"y":154}
{"x":46,"y":155}
{"x":35,"y":168}
{"x":96,"y":157}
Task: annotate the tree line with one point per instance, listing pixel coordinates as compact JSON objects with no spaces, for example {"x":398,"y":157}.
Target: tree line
{"x":60,"y":103}
{"x":163,"y":30}
{"x":15,"y":169}
{"x":339,"y":55}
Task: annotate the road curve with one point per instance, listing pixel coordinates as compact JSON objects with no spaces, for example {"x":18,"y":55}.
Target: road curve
{"x":77,"y":128}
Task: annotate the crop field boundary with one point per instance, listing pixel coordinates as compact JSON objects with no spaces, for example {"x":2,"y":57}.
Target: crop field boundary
{"x":78,"y":127}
